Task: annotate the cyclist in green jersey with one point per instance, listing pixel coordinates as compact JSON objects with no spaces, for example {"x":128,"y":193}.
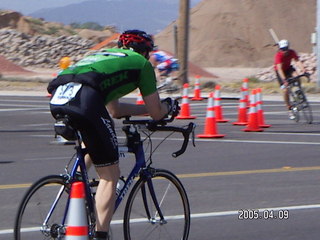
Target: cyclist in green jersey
{"x":84,"y":89}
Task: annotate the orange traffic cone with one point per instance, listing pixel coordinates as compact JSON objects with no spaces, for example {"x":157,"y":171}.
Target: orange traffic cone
{"x":139,"y":100}
{"x":217,"y":105}
{"x":260,"y":110}
{"x":245,"y":89}
{"x":185,"y":107}
{"x":242,"y":111}
{"x":210,"y":129}
{"x":197,"y":91}
{"x":77,"y":224}
{"x":253,"y":124}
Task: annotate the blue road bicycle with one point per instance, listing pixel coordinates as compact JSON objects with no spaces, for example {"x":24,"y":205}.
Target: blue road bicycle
{"x":157,"y":206}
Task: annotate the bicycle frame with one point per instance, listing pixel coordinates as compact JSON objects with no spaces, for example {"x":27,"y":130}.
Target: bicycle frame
{"x":75,"y":170}
{"x":134,"y":145}
{"x":78,"y":164}
{"x":137,"y":149}
{"x":298,"y":98}
{"x":140,"y":163}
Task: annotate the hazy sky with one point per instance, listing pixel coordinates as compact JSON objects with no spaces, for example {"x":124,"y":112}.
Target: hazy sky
{"x":30,"y":6}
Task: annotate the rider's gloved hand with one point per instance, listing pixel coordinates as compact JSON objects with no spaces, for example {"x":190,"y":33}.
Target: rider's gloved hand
{"x":173,"y":107}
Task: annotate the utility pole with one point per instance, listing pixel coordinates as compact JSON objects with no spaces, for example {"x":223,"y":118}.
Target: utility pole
{"x":318,"y":43}
{"x":175,"y":40}
{"x":183,"y":40}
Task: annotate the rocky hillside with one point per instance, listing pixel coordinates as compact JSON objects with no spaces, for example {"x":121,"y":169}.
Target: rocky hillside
{"x":34,"y":42}
{"x":40,"y":51}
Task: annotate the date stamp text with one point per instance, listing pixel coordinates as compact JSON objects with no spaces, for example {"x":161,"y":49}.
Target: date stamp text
{"x":254,"y":214}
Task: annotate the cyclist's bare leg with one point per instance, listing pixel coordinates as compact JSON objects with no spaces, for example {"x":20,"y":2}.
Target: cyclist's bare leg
{"x":286,"y":98}
{"x":286,"y":93}
{"x":106,"y":195}
{"x":87,"y":159}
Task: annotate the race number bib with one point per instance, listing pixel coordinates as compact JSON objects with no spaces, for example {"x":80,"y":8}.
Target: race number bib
{"x":65,"y":93}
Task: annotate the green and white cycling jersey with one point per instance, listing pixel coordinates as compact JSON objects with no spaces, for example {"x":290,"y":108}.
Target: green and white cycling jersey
{"x":113,"y":72}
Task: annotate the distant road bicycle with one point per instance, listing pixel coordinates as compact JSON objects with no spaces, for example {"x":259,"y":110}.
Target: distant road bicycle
{"x":167,"y":85}
{"x":298,"y":100}
{"x":157,"y":207}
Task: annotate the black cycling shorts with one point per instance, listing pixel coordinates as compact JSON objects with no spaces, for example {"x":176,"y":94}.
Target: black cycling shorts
{"x":287,"y":73}
{"x":89,"y":115}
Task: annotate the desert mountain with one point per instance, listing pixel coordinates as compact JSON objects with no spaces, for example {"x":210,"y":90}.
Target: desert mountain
{"x":228,"y":33}
{"x":152,"y":16}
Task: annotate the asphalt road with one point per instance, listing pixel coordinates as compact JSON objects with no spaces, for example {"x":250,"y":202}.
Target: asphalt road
{"x":226,"y":178}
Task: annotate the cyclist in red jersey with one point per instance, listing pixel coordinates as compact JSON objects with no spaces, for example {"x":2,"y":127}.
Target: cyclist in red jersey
{"x":284,"y":69}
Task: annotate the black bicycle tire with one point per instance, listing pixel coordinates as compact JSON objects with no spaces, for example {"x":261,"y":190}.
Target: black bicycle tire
{"x":179,"y":187}
{"x":52,"y":179}
{"x":306,"y":109}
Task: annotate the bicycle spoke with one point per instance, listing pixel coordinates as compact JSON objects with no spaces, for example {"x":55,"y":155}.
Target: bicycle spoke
{"x":163,"y":197}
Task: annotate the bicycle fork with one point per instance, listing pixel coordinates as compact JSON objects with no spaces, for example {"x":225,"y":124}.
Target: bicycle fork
{"x":156,"y":203}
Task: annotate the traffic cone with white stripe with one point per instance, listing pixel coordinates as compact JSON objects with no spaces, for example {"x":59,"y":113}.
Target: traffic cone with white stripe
{"x":197,"y":91}
{"x":242,"y":111}
{"x":260,"y":110}
{"x":210,"y":129}
{"x":139,"y":100}
{"x":245,"y":89}
{"x":253,"y":122}
{"x":185,"y":107}
{"x":77,"y":223}
{"x":217,"y":106}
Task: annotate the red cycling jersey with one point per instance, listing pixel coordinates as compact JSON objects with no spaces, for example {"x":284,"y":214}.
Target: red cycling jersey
{"x":285,"y":58}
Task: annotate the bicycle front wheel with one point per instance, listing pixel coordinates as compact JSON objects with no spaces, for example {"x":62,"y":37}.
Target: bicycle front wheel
{"x":305,"y":108}
{"x":157,"y":209}
{"x":42,"y":210}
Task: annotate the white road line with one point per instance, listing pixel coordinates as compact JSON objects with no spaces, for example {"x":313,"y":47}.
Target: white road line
{"x":259,"y":142}
{"x":232,"y":141}
{"x":23,"y":101}
{"x":22,"y":105}
{"x":22,"y":109}
{"x":195,"y":216}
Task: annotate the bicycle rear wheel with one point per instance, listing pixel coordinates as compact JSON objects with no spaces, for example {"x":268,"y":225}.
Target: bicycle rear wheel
{"x":142,"y":220}
{"x":50,"y":192}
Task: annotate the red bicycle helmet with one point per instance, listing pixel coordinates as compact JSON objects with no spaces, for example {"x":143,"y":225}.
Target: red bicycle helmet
{"x":140,"y":41}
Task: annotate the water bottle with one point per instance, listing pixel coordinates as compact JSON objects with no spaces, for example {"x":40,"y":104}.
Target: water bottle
{"x":120,"y":185}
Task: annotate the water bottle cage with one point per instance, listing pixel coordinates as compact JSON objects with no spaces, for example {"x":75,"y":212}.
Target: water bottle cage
{"x":133,"y":138}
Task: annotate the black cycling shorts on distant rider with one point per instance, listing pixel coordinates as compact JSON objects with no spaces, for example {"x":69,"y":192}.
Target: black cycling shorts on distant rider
{"x":89,"y":115}
{"x":287,"y":73}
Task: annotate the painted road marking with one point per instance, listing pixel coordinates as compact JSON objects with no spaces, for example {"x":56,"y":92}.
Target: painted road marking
{"x":193,"y":216}
{"x":208,"y":174}
{"x":230,"y":140}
